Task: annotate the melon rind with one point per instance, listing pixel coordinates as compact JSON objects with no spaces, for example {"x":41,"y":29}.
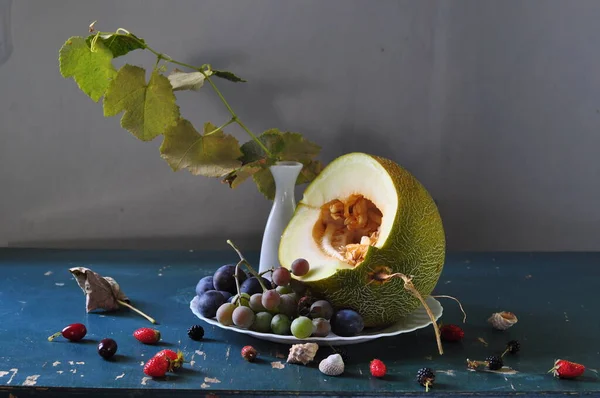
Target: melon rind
{"x":415,"y":246}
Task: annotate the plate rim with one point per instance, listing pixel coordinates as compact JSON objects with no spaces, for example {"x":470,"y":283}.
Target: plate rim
{"x":328,"y":339}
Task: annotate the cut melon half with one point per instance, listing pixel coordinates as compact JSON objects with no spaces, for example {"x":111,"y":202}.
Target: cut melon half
{"x":361,"y":215}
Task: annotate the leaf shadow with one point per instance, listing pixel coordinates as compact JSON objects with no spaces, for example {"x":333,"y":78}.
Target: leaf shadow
{"x":256,"y":100}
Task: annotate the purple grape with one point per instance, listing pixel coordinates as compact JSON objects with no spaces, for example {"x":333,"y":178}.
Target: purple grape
{"x":205,"y":284}
{"x":300,"y":267}
{"x":271,"y":299}
{"x":281,"y":276}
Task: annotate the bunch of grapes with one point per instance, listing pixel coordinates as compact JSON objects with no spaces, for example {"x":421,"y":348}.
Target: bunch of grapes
{"x":277,"y":308}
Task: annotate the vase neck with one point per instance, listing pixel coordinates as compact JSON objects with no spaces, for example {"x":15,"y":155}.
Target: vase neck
{"x":285,"y":175}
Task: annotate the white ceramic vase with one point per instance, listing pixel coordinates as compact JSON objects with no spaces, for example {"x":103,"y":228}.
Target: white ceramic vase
{"x":285,"y":175}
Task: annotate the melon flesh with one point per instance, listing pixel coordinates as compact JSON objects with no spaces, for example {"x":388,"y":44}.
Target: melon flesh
{"x":361,"y":215}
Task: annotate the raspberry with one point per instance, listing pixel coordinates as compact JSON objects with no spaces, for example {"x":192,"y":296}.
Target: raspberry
{"x":377,"y":368}
{"x":494,"y":362}
{"x":451,"y":333}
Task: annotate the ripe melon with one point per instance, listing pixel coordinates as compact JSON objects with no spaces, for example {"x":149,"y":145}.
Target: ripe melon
{"x":365,"y":216}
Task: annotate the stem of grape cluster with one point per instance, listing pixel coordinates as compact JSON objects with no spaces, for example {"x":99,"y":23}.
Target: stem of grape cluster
{"x":237,"y":282}
{"x":247,"y":264}
{"x":161,"y":56}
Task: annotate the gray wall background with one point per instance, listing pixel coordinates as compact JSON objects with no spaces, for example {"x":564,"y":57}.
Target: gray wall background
{"x":493,"y":105}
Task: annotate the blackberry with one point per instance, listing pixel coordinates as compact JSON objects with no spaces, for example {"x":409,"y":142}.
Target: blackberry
{"x":513,"y":346}
{"x":494,"y":362}
{"x":425,"y":377}
{"x":196,"y":332}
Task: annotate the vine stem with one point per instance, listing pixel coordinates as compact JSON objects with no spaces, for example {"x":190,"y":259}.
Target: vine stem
{"x":408,"y":285}
{"x":247,"y":264}
{"x":237,"y":282}
{"x":220,"y":127}
{"x":162,"y":56}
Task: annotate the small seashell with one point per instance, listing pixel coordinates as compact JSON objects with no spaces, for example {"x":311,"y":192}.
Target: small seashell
{"x":502,"y":320}
{"x":302,"y":353}
{"x":333,"y":365}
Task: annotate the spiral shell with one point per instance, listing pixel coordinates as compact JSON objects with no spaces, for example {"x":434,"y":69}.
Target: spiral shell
{"x":502,"y":320}
{"x":333,"y":365}
{"x":302,"y":353}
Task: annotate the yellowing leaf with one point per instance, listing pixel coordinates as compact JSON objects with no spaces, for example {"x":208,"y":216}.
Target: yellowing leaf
{"x":297,"y":148}
{"x":236,"y":177}
{"x":309,"y":172}
{"x":265,"y":183}
{"x":213,"y":154}
{"x":187,"y":81}
{"x":92,"y":71}
{"x":149,"y":109}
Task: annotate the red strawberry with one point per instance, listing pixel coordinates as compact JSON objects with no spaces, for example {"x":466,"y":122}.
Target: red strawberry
{"x":567,"y":369}
{"x":377,"y":368}
{"x":175,"y":358}
{"x":157,"y":366}
{"x":451,"y":333}
{"x":147,"y":335}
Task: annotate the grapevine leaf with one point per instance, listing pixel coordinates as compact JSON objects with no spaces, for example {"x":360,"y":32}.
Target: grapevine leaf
{"x":236,"y":177}
{"x":150,"y":109}
{"x":187,"y":81}
{"x":117,"y":43}
{"x":270,"y":138}
{"x":213,"y":154}
{"x":309,"y":172}
{"x":228,"y":76}
{"x":297,"y":148}
{"x":92,"y":71}
{"x":265,"y":183}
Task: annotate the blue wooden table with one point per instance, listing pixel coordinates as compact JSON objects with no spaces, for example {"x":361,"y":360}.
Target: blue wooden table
{"x":555,"y":297}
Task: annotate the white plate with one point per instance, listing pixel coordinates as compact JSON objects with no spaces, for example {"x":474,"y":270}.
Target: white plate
{"x":417,"y":320}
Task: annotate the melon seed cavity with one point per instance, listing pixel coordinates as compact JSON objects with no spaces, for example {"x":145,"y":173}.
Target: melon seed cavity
{"x":346,"y":229}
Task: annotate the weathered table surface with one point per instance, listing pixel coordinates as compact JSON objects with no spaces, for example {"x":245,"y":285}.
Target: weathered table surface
{"x":555,"y":297}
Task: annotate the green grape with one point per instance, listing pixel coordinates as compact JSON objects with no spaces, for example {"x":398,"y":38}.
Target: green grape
{"x":225,"y":314}
{"x":284,"y":289}
{"x":243,"y":317}
{"x":256,"y":304}
{"x":280,"y":324}
{"x":262,"y":322}
{"x":302,"y":327}
{"x":244,"y":299}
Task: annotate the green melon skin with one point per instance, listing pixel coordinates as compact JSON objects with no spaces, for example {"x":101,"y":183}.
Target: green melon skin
{"x":415,"y":247}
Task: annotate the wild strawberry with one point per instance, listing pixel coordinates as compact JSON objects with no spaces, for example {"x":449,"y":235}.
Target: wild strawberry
{"x":377,"y":368}
{"x":147,"y":335}
{"x":451,"y":333}
{"x":157,"y":366}
{"x":567,"y":369}
{"x":175,"y":358}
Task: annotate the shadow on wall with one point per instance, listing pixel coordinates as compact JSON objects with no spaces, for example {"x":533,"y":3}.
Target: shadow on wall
{"x":255,"y":101}
{"x":6,"y":46}
{"x":188,"y":242}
